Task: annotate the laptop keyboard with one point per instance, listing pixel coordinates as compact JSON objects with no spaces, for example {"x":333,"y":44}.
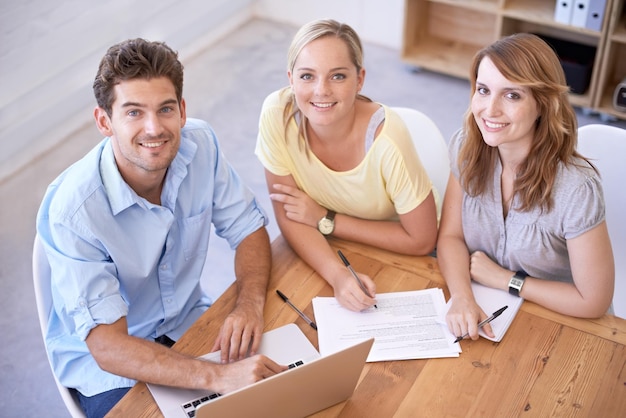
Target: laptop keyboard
{"x":190,"y":407}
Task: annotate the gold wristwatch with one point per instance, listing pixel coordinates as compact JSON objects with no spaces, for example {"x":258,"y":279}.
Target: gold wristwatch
{"x":326,"y":225}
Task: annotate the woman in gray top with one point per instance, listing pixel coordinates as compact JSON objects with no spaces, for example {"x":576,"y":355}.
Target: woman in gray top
{"x":523,"y":211}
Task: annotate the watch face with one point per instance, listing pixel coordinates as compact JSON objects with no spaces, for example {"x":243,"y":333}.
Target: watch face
{"x":517,"y":283}
{"x":326,"y":226}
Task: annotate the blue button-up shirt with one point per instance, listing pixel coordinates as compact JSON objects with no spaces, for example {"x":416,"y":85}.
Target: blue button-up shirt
{"x":114,"y":254}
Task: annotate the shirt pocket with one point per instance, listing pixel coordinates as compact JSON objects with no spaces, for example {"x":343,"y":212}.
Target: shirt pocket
{"x":195,"y":232}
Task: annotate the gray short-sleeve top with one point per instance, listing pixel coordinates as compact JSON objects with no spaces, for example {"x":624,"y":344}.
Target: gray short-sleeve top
{"x":534,"y":241}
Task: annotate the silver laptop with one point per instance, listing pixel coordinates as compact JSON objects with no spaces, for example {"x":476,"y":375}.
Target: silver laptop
{"x":311,"y":384}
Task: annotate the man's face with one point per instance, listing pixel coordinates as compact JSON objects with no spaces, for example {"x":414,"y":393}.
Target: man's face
{"x":144,"y":126}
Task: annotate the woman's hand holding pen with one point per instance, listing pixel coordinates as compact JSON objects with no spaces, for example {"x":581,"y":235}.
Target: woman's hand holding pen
{"x":298,"y":206}
{"x":464,"y":316}
{"x":349,"y":293}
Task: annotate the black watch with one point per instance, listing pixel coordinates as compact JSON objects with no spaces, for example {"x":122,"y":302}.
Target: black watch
{"x":326,"y":225}
{"x":516,"y":283}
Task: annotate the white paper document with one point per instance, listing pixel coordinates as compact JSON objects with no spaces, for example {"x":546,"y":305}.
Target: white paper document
{"x":405,"y":326}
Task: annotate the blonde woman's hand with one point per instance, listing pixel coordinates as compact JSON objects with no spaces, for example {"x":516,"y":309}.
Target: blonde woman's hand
{"x":298,"y":206}
{"x":350,"y":295}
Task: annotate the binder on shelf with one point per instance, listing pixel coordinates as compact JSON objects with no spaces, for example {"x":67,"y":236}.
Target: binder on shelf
{"x":580,"y":12}
{"x":595,"y":15}
{"x":619,"y":97}
{"x":563,"y":11}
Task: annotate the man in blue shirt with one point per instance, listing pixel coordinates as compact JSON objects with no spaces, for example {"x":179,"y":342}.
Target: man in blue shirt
{"x":126,"y":230}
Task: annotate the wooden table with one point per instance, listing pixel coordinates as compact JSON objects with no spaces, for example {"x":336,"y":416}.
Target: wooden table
{"x":546,"y":365}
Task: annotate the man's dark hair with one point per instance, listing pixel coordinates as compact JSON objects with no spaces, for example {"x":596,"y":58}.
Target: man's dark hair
{"x":132,"y":59}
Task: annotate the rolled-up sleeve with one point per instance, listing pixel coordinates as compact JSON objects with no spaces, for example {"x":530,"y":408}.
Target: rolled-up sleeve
{"x":83,"y":280}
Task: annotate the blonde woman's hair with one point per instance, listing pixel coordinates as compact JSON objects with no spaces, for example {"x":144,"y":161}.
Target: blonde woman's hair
{"x":306,"y":34}
{"x":527,"y":60}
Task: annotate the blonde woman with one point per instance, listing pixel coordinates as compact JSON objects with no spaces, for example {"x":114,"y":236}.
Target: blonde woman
{"x":338,"y":164}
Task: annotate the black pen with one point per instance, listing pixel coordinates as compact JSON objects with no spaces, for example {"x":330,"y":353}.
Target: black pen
{"x":347,"y":264}
{"x":306,"y":318}
{"x":486,"y":321}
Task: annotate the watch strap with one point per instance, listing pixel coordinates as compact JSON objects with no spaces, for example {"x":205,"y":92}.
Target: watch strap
{"x":516,"y":282}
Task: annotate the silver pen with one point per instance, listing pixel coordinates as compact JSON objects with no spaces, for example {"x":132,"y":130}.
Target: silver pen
{"x":302,"y":315}
{"x":347,"y":264}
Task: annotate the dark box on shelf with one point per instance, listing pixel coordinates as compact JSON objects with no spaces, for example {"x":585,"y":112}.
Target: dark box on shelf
{"x":577,"y":61}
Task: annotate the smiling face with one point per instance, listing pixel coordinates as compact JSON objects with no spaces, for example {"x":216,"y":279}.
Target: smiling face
{"x":505,"y":112}
{"x":325,"y":81}
{"x":144,"y":126}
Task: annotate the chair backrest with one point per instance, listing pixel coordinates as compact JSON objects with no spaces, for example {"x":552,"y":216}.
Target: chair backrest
{"x":605,"y":146}
{"x":43,"y":297}
{"x":431,"y":147}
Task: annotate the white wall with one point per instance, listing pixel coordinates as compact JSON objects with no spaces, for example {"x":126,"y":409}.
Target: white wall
{"x":50,"y":50}
{"x":376,"y":21}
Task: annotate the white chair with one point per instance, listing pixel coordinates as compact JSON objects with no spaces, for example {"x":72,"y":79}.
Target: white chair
{"x":43,"y":297}
{"x":605,"y":146}
{"x":431,"y":147}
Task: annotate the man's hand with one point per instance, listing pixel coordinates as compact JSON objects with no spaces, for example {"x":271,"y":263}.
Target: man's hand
{"x":242,"y":373}
{"x":240,"y":334}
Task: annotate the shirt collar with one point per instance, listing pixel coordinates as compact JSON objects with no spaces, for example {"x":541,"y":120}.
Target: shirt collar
{"x":177,"y":172}
{"x":122,"y":196}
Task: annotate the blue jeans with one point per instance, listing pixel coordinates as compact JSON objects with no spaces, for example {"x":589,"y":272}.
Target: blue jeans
{"x":99,"y":405}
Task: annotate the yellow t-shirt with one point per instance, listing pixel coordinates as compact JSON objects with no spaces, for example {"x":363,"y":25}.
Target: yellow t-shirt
{"x":389,"y":181}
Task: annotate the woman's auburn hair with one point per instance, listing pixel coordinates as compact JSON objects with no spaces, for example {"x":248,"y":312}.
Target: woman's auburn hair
{"x":527,"y":60}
